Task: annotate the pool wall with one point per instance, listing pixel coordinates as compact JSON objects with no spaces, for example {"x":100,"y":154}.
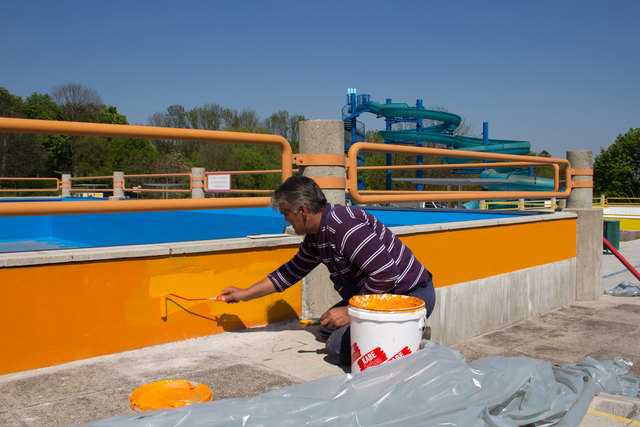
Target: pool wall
{"x":71,"y":304}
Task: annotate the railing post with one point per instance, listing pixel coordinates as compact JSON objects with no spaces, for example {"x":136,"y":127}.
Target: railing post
{"x":197,"y":183}
{"x":521,"y":204}
{"x":66,"y":185}
{"x":322,"y":137}
{"x":589,"y":229}
{"x":482,"y":204}
{"x":118,"y":186}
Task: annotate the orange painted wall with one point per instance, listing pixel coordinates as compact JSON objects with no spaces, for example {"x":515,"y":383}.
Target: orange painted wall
{"x":458,"y":256}
{"x":57,"y":313}
{"x":61,"y":312}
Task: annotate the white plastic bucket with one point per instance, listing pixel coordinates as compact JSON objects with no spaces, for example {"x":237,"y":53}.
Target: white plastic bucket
{"x":384,"y":327}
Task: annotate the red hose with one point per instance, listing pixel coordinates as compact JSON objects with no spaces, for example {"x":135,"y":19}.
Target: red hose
{"x":621,"y":258}
{"x":218,"y":298}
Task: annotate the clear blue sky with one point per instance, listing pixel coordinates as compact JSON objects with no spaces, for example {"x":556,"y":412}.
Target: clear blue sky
{"x":564,"y":75}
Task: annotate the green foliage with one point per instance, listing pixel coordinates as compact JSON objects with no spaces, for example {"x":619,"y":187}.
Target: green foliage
{"x":228,"y":157}
{"x":133,"y":156}
{"x":20,"y":154}
{"x":52,"y":155}
{"x":10,"y":105}
{"x":616,"y":170}
{"x":104,"y":114}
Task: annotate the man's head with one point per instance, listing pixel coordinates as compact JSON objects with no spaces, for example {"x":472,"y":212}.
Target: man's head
{"x":297,"y":191}
{"x":301,"y":202}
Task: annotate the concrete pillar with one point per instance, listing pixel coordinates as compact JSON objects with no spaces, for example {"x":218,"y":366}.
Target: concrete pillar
{"x":321,"y":137}
{"x":581,"y":197}
{"x":118,"y":186}
{"x":66,"y":185}
{"x":589,"y":231}
{"x":197,"y":183}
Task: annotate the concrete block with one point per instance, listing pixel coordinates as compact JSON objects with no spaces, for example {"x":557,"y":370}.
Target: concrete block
{"x":318,"y":294}
{"x":472,"y":308}
{"x":588,"y":254}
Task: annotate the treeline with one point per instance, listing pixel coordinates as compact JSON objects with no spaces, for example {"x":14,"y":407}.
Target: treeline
{"x":25,"y":155}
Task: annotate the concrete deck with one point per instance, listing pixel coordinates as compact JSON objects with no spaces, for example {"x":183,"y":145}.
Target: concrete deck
{"x":249,"y":362}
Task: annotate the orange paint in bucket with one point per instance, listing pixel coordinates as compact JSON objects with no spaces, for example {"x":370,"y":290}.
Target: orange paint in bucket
{"x":168,"y":394}
{"x":384,"y":327}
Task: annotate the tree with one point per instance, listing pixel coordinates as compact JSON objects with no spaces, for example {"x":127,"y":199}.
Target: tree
{"x":57,"y":147}
{"x":77,"y":101}
{"x":176,"y":116}
{"x":10,"y":106}
{"x":208,"y":117}
{"x":107,"y":114}
{"x":616,"y":170}
{"x":20,"y":154}
{"x":133,"y":156}
{"x":286,"y":125}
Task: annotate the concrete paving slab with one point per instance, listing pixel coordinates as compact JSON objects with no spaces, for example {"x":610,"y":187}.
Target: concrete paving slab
{"x":607,"y":410}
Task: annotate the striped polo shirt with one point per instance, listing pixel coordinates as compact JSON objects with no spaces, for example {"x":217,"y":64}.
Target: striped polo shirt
{"x":364,"y":250}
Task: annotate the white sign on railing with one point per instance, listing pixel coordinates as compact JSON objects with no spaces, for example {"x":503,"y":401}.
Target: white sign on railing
{"x":217,"y":182}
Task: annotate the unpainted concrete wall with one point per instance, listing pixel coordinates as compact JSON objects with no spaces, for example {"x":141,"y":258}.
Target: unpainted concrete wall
{"x":469,"y":309}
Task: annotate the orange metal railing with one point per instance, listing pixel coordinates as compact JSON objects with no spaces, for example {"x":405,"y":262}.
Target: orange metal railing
{"x":90,"y":187}
{"x":29,"y":190}
{"x":502,"y":160}
{"x":288,"y":159}
{"x":162,"y":188}
{"x":128,"y":131}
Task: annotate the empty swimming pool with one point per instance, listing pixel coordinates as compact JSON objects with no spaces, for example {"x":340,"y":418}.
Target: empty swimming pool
{"x":31,"y":233}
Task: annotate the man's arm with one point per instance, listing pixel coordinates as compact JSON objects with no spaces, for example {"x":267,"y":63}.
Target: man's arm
{"x":257,"y":290}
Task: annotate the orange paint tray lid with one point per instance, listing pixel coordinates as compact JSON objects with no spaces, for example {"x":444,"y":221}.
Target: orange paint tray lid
{"x":168,"y":394}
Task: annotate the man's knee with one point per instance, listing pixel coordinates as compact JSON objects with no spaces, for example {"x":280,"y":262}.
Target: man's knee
{"x":339,"y":346}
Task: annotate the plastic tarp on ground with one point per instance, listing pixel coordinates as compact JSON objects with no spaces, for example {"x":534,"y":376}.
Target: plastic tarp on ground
{"x":434,"y":386}
{"x":624,"y":289}
{"x":610,"y":375}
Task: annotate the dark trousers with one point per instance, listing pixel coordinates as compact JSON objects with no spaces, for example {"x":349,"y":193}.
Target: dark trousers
{"x":339,"y":340}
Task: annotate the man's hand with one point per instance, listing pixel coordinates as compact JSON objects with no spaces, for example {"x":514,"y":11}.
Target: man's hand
{"x":257,"y":290}
{"x":335,"y":317}
{"x":233,"y":294}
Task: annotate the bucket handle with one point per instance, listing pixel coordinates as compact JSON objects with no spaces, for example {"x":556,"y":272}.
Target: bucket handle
{"x":422,"y":323}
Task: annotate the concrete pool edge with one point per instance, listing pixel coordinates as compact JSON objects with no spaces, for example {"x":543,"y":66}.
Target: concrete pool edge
{"x":18,"y":259}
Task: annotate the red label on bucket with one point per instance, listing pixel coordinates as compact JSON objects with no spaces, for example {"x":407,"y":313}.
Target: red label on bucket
{"x":373,"y":358}
{"x":401,"y":353}
{"x":355,"y":352}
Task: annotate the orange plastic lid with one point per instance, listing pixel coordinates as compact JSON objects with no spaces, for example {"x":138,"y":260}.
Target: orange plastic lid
{"x":386,"y":302}
{"x":168,"y":394}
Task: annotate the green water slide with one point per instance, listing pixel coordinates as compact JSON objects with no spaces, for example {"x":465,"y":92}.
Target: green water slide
{"x":442,"y":133}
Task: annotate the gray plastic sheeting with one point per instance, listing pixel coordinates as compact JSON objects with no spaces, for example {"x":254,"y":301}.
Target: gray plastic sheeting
{"x":624,"y":289}
{"x":434,"y":386}
{"x":610,"y":375}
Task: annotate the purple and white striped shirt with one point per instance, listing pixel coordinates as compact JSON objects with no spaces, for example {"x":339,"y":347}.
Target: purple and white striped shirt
{"x":365,"y":251}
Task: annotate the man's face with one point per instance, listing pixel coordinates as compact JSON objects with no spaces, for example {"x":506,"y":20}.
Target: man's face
{"x":295,"y":218}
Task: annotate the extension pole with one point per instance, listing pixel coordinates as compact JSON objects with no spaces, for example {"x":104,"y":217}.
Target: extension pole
{"x":621,"y":258}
